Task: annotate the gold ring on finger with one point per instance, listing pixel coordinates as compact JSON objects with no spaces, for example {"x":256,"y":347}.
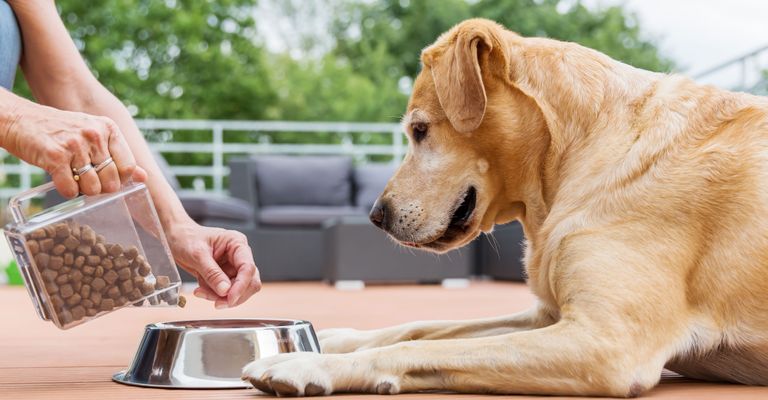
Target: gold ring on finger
{"x":77,"y":172}
{"x":103,"y":164}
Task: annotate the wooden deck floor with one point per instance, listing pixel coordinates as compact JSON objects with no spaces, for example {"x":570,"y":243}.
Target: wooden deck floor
{"x":37,"y":361}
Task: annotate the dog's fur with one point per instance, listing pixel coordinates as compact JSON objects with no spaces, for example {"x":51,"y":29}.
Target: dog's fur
{"x":644,"y":198}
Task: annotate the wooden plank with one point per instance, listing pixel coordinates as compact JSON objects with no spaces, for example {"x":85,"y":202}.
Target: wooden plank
{"x":38,"y":361}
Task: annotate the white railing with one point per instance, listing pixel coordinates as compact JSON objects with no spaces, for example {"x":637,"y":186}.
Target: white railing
{"x":166,"y":135}
{"x":745,"y":73}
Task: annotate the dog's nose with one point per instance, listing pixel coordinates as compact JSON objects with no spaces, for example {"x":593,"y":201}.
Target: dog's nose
{"x":378,"y":213}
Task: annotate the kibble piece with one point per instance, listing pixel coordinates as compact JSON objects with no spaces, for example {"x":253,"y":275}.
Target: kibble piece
{"x":62,"y":279}
{"x":96,"y":298}
{"x":56,"y":262}
{"x":110,"y":276}
{"x":46,"y":245}
{"x":137,"y":281}
{"x":146,"y":288}
{"x":138,"y":303}
{"x":124,"y":274}
{"x":107,"y":305}
{"x":107,"y":263}
{"x":75,"y":231}
{"x":74,"y":299}
{"x":51,"y":288}
{"x":138,"y":261}
{"x":37,"y":234}
{"x":170,"y":298}
{"x":100,"y":249}
{"x":33,"y":246}
{"x":144,"y":269}
{"x":87,"y":280}
{"x":182,"y":301}
{"x":85,"y":291}
{"x":78,"y":313}
{"x":87,"y":235}
{"x":100,"y":239}
{"x":59,"y":249}
{"x":50,"y":231}
{"x":88,"y":269}
{"x":91,"y":312}
{"x":121,"y":262}
{"x":76,"y":275}
{"x":121,"y":301}
{"x":69,"y":259}
{"x":115,"y":250}
{"x":65,"y":317}
{"x":93,"y":260}
{"x":99,"y":271}
{"x":126,"y":286}
{"x":42,"y":260}
{"x":65,"y":270}
{"x":77,"y":285}
{"x":50,"y":275}
{"x":98,"y":284}
{"x":113,"y":292}
{"x":153,"y":300}
{"x":134,"y":295}
{"x":66,"y":291}
{"x":162,"y":282}
{"x":62,"y":230}
{"x":79,"y":261}
{"x":87,"y":303}
{"x":71,"y":243}
{"x":57,"y":302}
{"x":84,"y":249}
{"x":132,"y":252}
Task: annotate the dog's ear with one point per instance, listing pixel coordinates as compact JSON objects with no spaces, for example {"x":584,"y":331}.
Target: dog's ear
{"x":455,"y":62}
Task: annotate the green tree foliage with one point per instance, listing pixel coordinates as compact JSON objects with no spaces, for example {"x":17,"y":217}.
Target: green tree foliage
{"x":175,"y":58}
{"x":207,"y":58}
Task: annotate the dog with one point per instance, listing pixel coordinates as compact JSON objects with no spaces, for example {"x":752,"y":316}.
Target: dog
{"x":644,"y":200}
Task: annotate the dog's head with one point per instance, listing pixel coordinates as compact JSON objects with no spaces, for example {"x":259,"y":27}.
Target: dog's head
{"x":466,"y":127}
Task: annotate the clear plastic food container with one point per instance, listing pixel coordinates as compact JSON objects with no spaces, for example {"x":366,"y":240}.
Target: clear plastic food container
{"x":92,"y":255}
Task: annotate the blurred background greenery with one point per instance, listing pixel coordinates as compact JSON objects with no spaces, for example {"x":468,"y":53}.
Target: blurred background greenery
{"x":210,"y":59}
{"x":300,"y":60}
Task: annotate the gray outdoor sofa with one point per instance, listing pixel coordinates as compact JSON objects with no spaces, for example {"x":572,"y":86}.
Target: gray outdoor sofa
{"x":311,"y":223}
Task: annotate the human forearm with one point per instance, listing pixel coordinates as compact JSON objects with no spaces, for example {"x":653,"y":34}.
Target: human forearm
{"x":59,"y":77}
{"x":166,"y":201}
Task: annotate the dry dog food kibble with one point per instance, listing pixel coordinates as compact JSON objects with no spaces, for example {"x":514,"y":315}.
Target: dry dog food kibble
{"x":83,"y":274}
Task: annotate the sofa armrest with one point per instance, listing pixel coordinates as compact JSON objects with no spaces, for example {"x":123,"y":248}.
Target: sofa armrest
{"x":242,"y":182}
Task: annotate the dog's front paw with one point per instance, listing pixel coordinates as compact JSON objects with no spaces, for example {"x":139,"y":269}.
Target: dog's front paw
{"x":290,"y":375}
{"x":312,"y":374}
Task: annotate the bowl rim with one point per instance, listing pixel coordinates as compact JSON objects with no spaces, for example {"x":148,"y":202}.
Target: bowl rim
{"x":230,"y":323}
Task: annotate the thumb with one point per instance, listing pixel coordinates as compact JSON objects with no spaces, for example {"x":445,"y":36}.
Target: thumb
{"x":214,"y":276}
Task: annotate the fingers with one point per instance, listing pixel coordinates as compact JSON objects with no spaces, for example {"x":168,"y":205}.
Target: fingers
{"x":205,"y":292}
{"x":64,"y":181}
{"x":88,"y":181}
{"x":212,"y":275}
{"x":120,"y":152}
{"x":247,"y":281}
{"x":107,"y":176}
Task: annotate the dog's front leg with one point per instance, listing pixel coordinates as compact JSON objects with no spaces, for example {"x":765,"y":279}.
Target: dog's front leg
{"x":346,"y":340}
{"x":568,"y":358}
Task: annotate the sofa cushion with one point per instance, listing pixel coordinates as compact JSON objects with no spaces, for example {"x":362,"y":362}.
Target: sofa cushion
{"x":305,"y":180}
{"x":370,"y":180}
{"x":208,"y":207}
{"x":303,"y":215}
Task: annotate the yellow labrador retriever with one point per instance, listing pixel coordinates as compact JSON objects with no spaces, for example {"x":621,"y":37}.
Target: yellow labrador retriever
{"x":644,"y":198}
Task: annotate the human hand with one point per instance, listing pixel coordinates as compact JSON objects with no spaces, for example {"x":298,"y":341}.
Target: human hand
{"x":59,"y":141}
{"x":220,"y":260}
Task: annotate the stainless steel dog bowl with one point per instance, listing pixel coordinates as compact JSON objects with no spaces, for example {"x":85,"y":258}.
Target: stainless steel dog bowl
{"x":211,"y":354}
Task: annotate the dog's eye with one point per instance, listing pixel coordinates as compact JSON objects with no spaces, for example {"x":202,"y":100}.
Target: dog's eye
{"x":419,"y":131}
